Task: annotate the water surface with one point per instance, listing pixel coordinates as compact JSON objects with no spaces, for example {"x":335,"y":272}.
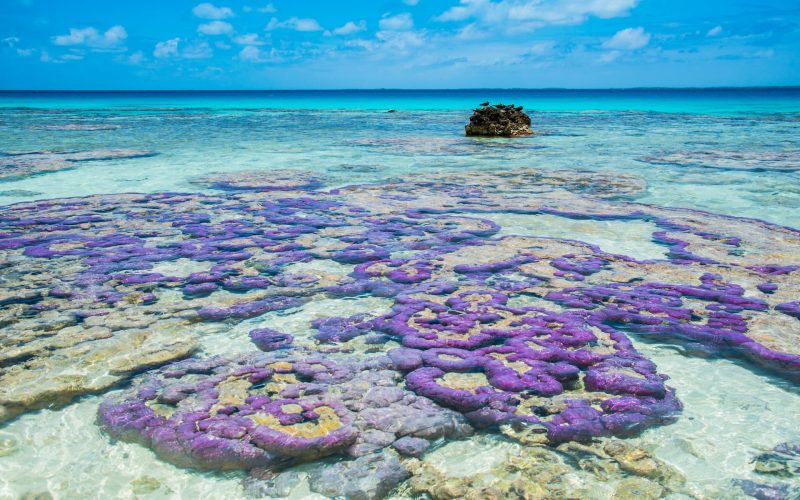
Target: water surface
{"x":731,"y":413}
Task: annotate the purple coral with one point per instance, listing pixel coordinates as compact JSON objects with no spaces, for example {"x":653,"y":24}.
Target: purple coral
{"x":233,"y":414}
{"x":270,"y":340}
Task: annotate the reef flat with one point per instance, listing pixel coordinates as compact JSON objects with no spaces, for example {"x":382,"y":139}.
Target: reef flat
{"x":522,"y":335}
{"x":18,"y":165}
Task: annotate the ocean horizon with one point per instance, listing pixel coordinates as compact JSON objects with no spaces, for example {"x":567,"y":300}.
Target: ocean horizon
{"x":697,"y":100}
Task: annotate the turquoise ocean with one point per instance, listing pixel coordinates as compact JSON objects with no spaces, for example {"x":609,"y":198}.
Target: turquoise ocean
{"x":349,"y":135}
{"x":728,"y":151}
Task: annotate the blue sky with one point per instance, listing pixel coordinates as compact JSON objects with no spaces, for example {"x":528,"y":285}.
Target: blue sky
{"x":294,"y":44}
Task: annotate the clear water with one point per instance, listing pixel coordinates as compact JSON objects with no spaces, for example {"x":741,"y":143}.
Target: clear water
{"x":731,"y":413}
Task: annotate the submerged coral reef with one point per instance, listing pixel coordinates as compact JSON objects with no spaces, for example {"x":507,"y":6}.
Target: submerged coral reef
{"x":757,"y":161}
{"x":15,"y":165}
{"x":516,"y":333}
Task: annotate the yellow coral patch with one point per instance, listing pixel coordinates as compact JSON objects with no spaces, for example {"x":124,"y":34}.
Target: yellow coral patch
{"x":232,"y":392}
{"x":517,"y":366}
{"x":280,"y":365}
{"x":464,"y":381}
{"x":327,"y":422}
{"x":478,"y":298}
{"x":160,"y":409}
{"x":285,"y":378}
{"x":61,"y":247}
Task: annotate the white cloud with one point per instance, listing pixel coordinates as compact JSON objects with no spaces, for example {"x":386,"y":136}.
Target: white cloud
{"x":45,"y":58}
{"x":200,"y":50}
{"x":249,"y":39}
{"x":295,"y":23}
{"x":11,"y":41}
{"x":400,"y":41}
{"x":628,"y":39}
{"x":350,"y":27}
{"x":471,"y":32}
{"x":208,"y":11}
{"x":267,"y":9}
{"x":542,"y":48}
{"x":252,"y":53}
{"x":25,"y":52}
{"x":411,"y":2}
{"x":215,"y":28}
{"x":400,"y":22}
{"x":610,"y":57}
{"x":536,"y":13}
{"x":716,"y":30}
{"x":168,"y":48}
{"x":112,"y":39}
{"x":136,"y":58}
{"x":72,"y":57}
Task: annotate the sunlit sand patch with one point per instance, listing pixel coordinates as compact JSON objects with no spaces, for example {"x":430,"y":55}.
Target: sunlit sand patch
{"x":631,"y":238}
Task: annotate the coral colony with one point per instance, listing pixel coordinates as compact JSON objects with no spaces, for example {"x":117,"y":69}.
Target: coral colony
{"x":521,"y":334}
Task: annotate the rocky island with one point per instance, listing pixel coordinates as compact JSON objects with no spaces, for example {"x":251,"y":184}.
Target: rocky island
{"x":500,"y":120}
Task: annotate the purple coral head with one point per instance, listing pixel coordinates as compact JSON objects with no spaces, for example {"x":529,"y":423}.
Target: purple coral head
{"x":301,"y":429}
{"x":405,"y":359}
{"x":624,"y":377}
{"x":357,"y":254}
{"x":464,"y":392}
{"x":579,"y":422}
{"x":338,"y":329}
{"x":452,"y":360}
{"x":477,"y":300}
{"x":270,"y":340}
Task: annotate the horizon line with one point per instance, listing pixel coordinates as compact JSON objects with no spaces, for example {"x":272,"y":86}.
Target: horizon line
{"x":391,"y":89}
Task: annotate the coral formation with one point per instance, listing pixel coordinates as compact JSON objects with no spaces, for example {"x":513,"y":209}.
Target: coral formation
{"x":542,"y":472}
{"x":521,"y":333}
{"x":14,"y":165}
{"x":758,"y":161}
{"x":499,"y":120}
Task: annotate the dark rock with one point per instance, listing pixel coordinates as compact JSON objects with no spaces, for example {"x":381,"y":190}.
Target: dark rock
{"x":411,"y":446}
{"x":365,"y":478}
{"x":499,"y":120}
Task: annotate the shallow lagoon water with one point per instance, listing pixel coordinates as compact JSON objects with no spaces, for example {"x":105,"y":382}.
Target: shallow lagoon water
{"x":732,"y":413}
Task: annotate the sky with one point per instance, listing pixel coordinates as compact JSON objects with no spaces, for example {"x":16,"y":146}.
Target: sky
{"x":338,"y":44}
